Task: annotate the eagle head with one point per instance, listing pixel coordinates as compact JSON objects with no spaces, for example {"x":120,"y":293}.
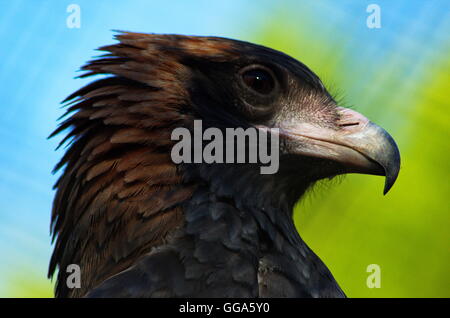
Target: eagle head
{"x":122,"y":202}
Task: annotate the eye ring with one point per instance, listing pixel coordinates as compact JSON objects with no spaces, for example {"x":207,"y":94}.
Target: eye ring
{"x":258,"y":79}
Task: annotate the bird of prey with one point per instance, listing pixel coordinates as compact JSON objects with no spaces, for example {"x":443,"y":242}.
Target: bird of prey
{"x":139,"y":225}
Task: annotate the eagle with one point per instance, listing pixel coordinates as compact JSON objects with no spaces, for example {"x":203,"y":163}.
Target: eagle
{"x":140,"y":225}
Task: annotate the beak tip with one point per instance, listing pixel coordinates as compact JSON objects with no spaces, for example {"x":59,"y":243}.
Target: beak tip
{"x":392,"y":174}
{"x":390,"y":161}
{"x":387,"y":187}
{"x":390,"y":180}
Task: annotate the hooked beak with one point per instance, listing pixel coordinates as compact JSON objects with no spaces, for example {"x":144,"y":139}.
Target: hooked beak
{"x":358,"y":144}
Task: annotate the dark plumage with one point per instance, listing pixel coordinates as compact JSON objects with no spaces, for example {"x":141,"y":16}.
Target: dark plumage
{"x":139,"y":225}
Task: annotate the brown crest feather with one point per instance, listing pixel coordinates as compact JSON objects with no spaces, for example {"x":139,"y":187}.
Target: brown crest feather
{"x":120,"y":195}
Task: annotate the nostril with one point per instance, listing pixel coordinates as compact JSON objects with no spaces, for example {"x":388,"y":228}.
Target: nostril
{"x":349,"y":124}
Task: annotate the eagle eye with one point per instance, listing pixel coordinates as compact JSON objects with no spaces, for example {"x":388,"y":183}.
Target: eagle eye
{"x":258,"y":79}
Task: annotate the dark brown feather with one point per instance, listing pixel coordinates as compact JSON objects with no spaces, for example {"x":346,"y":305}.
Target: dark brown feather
{"x":119,"y":194}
